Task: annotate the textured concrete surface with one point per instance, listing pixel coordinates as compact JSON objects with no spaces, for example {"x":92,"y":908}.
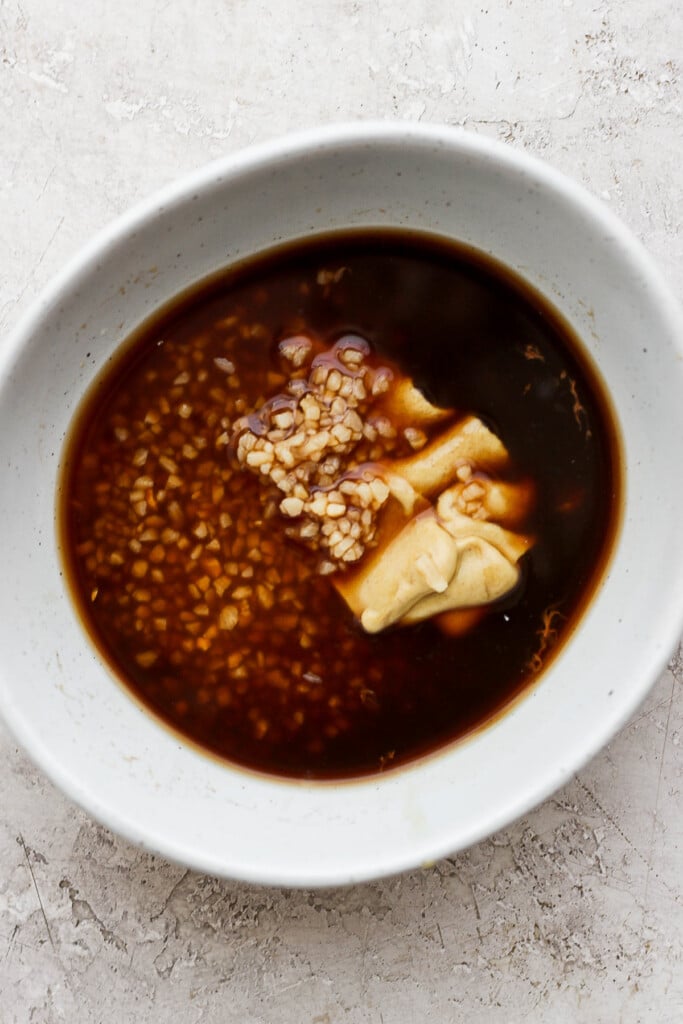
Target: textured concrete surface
{"x":573,"y":914}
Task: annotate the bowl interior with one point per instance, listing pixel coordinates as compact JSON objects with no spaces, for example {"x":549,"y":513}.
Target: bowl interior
{"x":92,"y":736}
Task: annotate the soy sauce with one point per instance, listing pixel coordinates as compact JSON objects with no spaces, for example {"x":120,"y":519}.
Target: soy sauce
{"x":214,"y":618}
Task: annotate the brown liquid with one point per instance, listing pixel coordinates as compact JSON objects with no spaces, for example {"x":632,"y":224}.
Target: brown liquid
{"x":284,"y":681}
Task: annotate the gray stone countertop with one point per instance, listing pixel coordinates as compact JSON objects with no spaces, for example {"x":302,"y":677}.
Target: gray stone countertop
{"x":572,"y":914}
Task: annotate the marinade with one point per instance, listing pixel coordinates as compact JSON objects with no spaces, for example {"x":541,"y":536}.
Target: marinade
{"x":191,"y":584}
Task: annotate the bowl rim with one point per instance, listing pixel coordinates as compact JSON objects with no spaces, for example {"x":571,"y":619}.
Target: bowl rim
{"x":232,"y":166}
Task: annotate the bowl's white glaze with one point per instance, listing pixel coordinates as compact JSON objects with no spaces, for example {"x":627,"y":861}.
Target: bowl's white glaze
{"x":112,"y":756}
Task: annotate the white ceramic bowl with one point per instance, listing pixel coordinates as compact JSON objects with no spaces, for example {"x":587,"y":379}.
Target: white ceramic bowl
{"x":109,"y":754}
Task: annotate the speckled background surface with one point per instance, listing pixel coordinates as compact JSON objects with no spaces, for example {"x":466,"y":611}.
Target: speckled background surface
{"x":573,"y":914}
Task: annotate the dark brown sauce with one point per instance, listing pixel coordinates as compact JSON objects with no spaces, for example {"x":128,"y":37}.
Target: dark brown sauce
{"x":293,"y":686}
